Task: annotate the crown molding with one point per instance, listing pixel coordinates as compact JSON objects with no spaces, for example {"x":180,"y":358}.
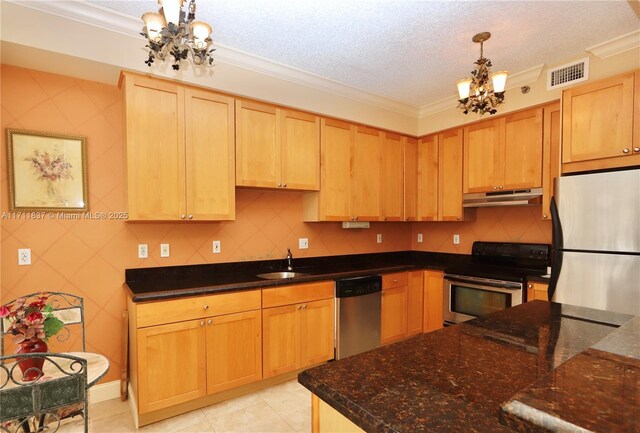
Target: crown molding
{"x":109,"y":19}
{"x":617,"y":45}
{"x":518,"y":79}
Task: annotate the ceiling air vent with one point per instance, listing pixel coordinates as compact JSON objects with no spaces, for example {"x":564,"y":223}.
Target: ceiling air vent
{"x":568,"y":74}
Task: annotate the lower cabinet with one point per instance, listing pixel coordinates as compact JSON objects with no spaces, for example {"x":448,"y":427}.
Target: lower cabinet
{"x":433,"y":317}
{"x":537,"y":291}
{"x":299,"y":333}
{"x":401,"y":306}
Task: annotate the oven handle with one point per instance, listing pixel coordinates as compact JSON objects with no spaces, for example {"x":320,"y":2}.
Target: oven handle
{"x":485,"y":281}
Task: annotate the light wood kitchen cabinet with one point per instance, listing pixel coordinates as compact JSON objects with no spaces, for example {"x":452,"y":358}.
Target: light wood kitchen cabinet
{"x":550,"y":155}
{"x":433,"y":316}
{"x":598,"y":124}
{"x":276,"y":147}
{"x":394,"y":307}
{"x":410,"y":179}
{"x":391,"y":177}
{"x":366,"y":174}
{"x":414,"y":302}
{"x":179,"y":151}
{"x":504,"y":153}
{"x":428,"y":178}
{"x":298,"y":327}
{"x":537,"y":291}
{"x":350,"y":173}
{"x":213,"y":344}
{"x":450,"y":151}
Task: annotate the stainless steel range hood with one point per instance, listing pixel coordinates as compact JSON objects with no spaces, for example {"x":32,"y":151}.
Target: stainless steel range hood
{"x":518,"y":197}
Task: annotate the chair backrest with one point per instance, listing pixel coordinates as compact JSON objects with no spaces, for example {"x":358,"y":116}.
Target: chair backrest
{"x":66,"y":307}
{"x":60,"y":383}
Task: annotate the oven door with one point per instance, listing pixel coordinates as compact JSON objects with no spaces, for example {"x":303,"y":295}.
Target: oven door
{"x":466,"y":298}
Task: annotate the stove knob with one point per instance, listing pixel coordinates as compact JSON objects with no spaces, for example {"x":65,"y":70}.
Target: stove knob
{"x":541,"y":253}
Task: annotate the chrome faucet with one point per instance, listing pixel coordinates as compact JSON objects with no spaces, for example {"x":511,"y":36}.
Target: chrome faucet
{"x":289,"y":259}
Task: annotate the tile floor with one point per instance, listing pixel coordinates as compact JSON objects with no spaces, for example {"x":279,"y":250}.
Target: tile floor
{"x":280,"y":408}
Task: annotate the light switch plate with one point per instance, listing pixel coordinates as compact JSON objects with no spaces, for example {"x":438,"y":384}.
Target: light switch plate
{"x":419,"y":237}
{"x":143,"y":251}
{"x":24,"y":256}
{"x":456,"y":239}
{"x":379,"y":238}
{"x":164,"y":250}
{"x":216,"y":247}
{"x":303,"y":243}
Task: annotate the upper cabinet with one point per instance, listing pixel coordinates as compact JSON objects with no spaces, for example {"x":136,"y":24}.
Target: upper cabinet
{"x":550,"y":155}
{"x":598,"y":124}
{"x":410,"y":169}
{"x":391,"y":178}
{"x":504,"y":153}
{"x":276,"y":148}
{"x":366,"y":174}
{"x":179,"y":151}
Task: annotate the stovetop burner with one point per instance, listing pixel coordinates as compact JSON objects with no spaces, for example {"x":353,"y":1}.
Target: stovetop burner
{"x":504,"y":261}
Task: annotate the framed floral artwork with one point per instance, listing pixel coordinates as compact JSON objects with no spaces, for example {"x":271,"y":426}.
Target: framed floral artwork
{"x":47,"y":172}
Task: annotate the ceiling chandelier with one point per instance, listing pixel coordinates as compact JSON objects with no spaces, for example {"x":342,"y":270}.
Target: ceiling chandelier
{"x":173,"y":32}
{"x":477,"y":93}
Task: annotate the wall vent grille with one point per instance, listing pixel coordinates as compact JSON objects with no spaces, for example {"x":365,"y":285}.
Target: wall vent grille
{"x":568,"y":74}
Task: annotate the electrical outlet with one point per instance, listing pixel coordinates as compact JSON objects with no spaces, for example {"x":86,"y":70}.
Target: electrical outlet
{"x":419,"y":237}
{"x":303,"y":243}
{"x":379,"y":238}
{"x":24,"y":256}
{"x":456,"y":239}
{"x":216,"y":247}
{"x":164,"y":250}
{"x":143,"y":251}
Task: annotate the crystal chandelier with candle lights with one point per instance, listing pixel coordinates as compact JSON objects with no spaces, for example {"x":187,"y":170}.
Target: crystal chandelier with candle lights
{"x":173,"y":32}
{"x":478,"y":93}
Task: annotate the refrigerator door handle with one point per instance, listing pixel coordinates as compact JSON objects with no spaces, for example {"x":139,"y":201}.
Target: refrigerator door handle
{"x":557,"y":245}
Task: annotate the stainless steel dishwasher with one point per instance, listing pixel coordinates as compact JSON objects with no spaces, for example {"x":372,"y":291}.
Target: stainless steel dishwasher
{"x":358,"y":313}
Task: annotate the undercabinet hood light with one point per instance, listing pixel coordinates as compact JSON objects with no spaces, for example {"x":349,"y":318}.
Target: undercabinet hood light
{"x":355,"y":225}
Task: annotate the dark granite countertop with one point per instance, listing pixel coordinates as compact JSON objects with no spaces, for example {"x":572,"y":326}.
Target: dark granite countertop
{"x":150,"y":284}
{"x":456,"y":379}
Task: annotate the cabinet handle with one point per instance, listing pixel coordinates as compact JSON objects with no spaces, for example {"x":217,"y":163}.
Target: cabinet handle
{"x":458,"y":218}
{"x":529,"y":286}
{"x":625,"y":150}
{"x":384,"y":219}
{"x":183,"y":216}
{"x":209,"y":322}
{"x":202,"y":323}
{"x":205,"y":306}
{"x":284,"y":185}
{"x":299,"y":307}
{"x":395,"y":281}
{"x":500,"y":187}
{"x":279,"y":185}
{"x":495,"y":187}
{"x":636,"y":149}
{"x":304,"y":306}
{"x":355,"y":219}
{"x":190,"y":217}
{"x":544,"y":216}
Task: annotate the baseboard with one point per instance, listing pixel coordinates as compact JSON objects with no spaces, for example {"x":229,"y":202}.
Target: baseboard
{"x":104,"y":391}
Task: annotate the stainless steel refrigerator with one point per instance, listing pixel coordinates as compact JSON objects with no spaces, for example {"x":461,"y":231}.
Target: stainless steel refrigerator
{"x":596,"y":241}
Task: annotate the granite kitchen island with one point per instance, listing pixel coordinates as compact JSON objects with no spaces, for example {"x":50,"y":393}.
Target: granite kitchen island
{"x":500,"y":373}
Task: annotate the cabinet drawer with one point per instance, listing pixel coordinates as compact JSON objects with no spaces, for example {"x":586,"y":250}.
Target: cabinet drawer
{"x":398,"y":279}
{"x":295,"y":294}
{"x":156,"y":313}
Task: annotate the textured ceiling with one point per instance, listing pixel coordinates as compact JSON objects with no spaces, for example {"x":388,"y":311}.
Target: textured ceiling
{"x":408,"y":51}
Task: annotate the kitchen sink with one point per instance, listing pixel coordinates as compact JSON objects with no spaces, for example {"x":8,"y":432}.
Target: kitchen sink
{"x":281,"y":275}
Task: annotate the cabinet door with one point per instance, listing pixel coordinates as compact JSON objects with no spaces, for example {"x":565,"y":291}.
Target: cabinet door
{"x":171,"y":364}
{"x":334,"y":201}
{"x":210,"y":159}
{"x":234,"y":350}
{"x":483,"y":157}
{"x":550,"y":155}
{"x":428,"y":178}
{"x":410,"y":179}
{"x":366,"y":174}
{"x":414,"y":303}
{"x":300,"y":150}
{"x":391,"y":178}
{"x":537,"y":291}
{"x":317,"y":332}
{"x":433,"y":301}
{"x":450,"y":176}
{"x":154,"y":113}
{"x":281,"y":351}
{"x":523,"y":150}
{"x":257,"y":157}
{"x":394,"y":314}
{"x":597,"y":119}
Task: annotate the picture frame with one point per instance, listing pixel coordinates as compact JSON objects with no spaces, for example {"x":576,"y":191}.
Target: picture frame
{"x":47,"y":172}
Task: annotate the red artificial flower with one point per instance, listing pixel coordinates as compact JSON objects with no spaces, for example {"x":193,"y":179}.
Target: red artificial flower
{"x":4,"y":311}
{"x":34,"y":317}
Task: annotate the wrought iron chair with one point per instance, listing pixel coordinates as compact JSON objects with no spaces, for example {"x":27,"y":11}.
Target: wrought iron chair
{"x":58,"y":392}
{"x":35,"y":402}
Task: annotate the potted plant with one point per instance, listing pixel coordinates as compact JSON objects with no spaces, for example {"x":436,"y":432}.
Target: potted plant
{"x":32,"y":323}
